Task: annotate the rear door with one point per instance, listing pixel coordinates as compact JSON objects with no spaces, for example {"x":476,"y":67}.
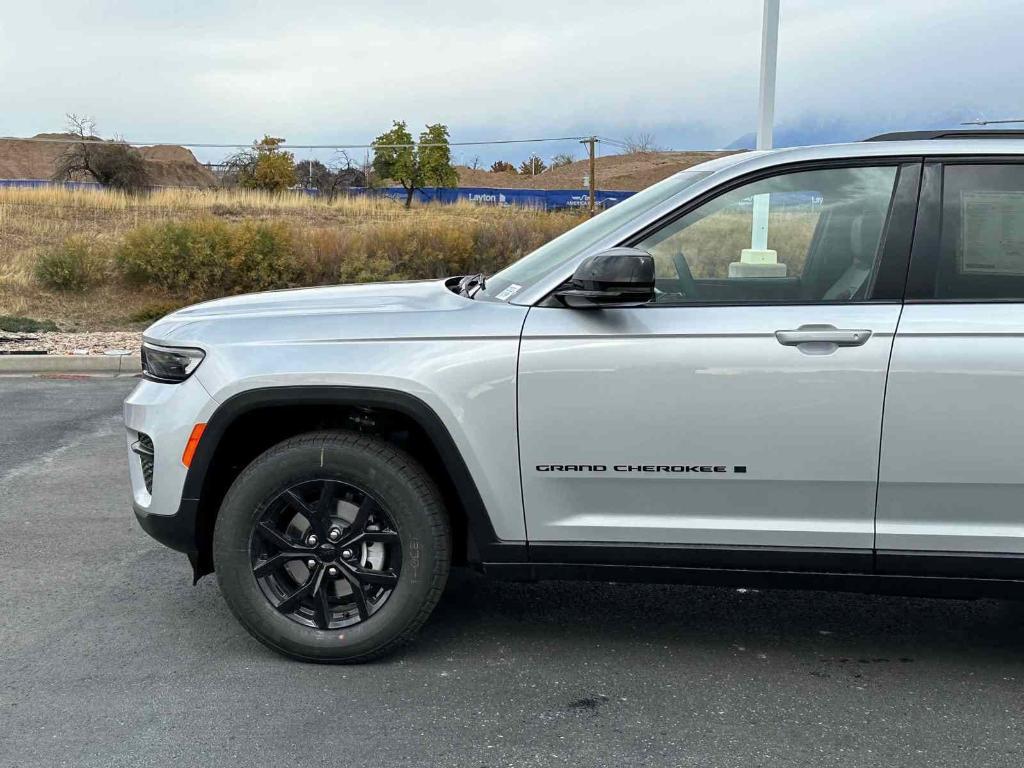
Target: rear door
{"x":742,"y":409}
{"x":951,"y":491}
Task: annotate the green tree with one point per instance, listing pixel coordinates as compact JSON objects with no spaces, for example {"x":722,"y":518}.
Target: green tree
{"x":532,"y":165}
{"x":265,"y":166}
{"x":502,"y":166}
{"x":394,"y":155}
{"x":427,"y":163}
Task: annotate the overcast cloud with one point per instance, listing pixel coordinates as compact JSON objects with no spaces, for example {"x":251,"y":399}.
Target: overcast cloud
{"x":322,"y":72}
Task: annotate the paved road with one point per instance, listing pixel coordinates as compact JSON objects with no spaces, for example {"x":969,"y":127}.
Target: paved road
{"x":109,"y":657}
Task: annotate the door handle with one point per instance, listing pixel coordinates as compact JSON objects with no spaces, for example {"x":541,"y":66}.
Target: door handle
{"x":822,"y":334}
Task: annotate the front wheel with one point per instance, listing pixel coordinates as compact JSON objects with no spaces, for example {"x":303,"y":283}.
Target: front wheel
{"x":332,"y":547}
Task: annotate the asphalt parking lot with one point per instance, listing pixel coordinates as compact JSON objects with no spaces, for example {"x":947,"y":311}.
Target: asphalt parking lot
{"x":110,"y":657}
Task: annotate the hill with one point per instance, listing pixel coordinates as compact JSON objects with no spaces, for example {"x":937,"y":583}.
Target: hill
{"x":168,"y":166}
{"x":631,"y":172}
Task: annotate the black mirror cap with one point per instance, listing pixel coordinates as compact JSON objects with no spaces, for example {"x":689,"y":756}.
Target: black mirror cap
{"x":618,"y":277}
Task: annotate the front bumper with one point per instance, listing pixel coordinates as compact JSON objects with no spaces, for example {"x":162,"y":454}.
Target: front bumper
{"x":177,"y":531}
{"x":166,"y":414}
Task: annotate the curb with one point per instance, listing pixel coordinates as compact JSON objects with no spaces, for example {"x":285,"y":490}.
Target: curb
{"x":111,"y":364}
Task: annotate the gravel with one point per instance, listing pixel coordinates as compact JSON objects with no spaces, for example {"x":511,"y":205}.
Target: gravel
{"x":56,"y":343}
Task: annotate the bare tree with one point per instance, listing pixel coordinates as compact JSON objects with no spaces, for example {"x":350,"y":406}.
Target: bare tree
{"x":113,"y":164}
{"x":561,"y":160}
{"x":642,"y":143}
{"x":329,"y":181}
{"x":347,"y":173}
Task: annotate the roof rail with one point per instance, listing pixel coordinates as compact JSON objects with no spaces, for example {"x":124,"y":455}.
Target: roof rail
{"x":1002,"y":133}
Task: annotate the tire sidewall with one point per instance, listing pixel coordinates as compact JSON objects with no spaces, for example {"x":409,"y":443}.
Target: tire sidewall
{"x":361,"y":462}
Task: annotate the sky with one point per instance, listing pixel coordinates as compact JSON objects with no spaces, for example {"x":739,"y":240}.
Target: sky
{"x":686,"y":71}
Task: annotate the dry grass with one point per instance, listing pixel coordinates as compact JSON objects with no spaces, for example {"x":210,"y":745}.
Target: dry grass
{"x":33,"y":208}
{"x":345,"y":240}
{"x":338,"y":239}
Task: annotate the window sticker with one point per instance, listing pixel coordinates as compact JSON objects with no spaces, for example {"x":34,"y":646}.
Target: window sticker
{"x":509,"y":292}
{"x":992,"y":235}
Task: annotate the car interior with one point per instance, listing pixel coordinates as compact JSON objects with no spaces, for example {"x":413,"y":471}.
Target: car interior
{"x":839,"y":266}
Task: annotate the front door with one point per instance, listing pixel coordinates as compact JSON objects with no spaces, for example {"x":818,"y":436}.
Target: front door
{"x":742,"y":409}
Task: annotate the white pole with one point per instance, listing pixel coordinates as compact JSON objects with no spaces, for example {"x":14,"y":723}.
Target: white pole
{"x":769,"y":55}
{"x":765,"y":114}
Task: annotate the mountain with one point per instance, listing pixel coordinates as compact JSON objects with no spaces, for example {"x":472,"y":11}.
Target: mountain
{"x":817,"y":130}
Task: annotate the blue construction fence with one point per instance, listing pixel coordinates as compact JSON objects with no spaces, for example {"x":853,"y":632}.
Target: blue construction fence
{"x":46,"y":183}
{"x":543,"y":199}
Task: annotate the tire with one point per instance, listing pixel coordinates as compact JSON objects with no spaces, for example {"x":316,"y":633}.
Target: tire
{"x":405,"y":499}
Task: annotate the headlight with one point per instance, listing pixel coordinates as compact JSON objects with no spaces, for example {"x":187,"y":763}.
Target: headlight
{"x":169,"y":364}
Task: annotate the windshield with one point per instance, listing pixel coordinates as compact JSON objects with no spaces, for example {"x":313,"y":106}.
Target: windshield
{"x":550,"y":256}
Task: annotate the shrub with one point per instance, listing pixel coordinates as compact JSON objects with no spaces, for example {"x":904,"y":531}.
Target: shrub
{"x":15,"y":324}
{"x":432,"y":249}
{"x":208,"y":257}
{"x":154,"y":311}
{"x":74,"y":265}
{"x":422,"y":249}
{"x":498,"y":243}
{"x":338,"y":256}
{"x":262,"y":257}
{"x":184,"y":257}
{"x":227,"y":211}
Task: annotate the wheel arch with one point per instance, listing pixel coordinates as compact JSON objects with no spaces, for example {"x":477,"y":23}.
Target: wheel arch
{"x":250,"y":422}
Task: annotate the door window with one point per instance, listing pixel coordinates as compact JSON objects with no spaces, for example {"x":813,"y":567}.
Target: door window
{"x":809,"y":236}
{"x":981,"y":246}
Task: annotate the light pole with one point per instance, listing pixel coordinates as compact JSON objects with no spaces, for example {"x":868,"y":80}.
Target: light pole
{"x":765,"y":113}
{"x":758,"y":260}
{"x":769,"y":56}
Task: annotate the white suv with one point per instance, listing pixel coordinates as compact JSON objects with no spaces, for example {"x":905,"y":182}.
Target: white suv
{"x":801,"y":367}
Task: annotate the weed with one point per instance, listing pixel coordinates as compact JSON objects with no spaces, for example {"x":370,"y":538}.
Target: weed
{"x":73,"y":265}
{"x":14,"y":324}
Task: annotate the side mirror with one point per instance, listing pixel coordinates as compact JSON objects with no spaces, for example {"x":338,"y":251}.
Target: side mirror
{"x":618,"y":277}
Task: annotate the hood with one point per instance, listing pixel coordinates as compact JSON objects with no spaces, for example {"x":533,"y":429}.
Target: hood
{"x":369,"y":297}
{"x":369,"y":310}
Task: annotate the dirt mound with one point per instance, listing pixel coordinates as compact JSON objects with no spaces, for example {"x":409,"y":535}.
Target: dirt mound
{"x":168,"y":166}
{"x":620,"y":172}
{"x":177,"y":167}
{"x":168,"y":154}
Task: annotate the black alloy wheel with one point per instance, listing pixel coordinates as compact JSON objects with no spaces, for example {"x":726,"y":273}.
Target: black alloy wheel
{"x":332,"y":546}
{"x":326,"y":554}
